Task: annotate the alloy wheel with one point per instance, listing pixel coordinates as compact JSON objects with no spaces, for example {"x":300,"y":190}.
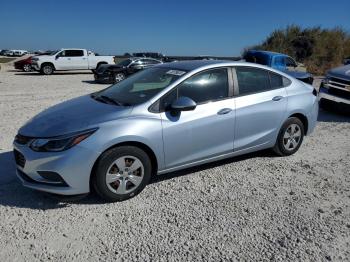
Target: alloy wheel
{"x":292,"y":137}
{"x":27,"y":68}
{"x":119,"y":77}
{"x":124,"y":175}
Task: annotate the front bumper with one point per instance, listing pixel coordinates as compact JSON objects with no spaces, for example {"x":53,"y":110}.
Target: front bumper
{"x":103,"y":78}
{"x":35,"y":66}
{"x":73,"y":166}
{"x":324,"y":93}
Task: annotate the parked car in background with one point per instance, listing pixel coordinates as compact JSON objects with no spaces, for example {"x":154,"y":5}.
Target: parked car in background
{"x":24,"y":64}
{"x":8,"y":53}
{"x":118,"y":72}
{"x":19,"y":52}
{"x":335,"y":88}
{"x":69,"y":59}
{"x":154,"y":55}
{"x":347,"y":61}
{"x":169,"y":117}
{"x":3,"y":52}
{"x":280,"y":62}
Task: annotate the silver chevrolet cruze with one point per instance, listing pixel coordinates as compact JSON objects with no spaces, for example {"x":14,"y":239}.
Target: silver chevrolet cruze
{"x":169,"y":117}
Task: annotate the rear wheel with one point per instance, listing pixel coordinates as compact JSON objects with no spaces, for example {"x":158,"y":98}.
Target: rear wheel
{"x":122,"y":173}
{"x":290,"y":137}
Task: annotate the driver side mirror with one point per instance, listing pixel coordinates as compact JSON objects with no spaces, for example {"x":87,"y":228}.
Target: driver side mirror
{"x":183,"y":103}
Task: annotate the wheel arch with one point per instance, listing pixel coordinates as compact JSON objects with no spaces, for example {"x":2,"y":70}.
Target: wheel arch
{"x":303,"y":119}
{"x":144,"y":147}
{"x":47,"y":63}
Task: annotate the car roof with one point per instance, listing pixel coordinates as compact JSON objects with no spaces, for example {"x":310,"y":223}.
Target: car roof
{"x":270,"y":53}
{"x":191,"y":65}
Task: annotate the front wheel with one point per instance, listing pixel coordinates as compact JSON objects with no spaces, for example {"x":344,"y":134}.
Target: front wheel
{"x":119,"y":77}
{"x":290,"y":137}
{"x":27,"y":68}
{"x":47,"y":69}
{"x":122,"y":173}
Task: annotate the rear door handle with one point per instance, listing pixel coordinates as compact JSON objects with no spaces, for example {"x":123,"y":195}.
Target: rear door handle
{"x":277,"y":98}
{"x":224,"y":111}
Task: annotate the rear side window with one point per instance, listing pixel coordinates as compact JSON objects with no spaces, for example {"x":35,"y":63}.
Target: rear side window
{"x":207,"y":86}
{"x":255,"y":80}
{"x":72,"y":53}
{"x":276,"y":80}
{"x":252,"y":80}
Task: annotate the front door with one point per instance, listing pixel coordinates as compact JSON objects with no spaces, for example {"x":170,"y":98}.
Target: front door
{"x":208,"y":130}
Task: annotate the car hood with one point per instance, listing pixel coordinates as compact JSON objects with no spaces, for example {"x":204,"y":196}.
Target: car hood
{"x":297,"y":74}
{"x":102,"y":68}
{"x":341,"y":72}
{"x":72,"y":116}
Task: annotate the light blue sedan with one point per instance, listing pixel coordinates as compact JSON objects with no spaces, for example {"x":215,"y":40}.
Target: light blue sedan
{"x":169,"y":117}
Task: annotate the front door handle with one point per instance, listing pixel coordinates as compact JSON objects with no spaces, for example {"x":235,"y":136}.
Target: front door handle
{"x":277,"y":98}
{"x":224,"y":111}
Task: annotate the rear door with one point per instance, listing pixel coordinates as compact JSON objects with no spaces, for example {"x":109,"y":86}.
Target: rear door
{"x":261,"y":104}
{"x":76,"y":59}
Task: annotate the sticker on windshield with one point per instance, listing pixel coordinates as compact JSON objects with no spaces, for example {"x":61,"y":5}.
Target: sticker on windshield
{"x":175,"y":72}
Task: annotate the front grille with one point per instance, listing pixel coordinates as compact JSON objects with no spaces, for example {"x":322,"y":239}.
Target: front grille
{"x":341,"y":81}
{"x":340,"y":93}
{"x":22,"y":140}
{"x":19,"y":158}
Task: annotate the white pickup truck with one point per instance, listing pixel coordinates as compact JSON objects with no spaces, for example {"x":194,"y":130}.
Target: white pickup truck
{"x":69,"y":59}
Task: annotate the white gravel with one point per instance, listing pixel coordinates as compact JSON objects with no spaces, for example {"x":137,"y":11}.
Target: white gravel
{"x":254,"y":207}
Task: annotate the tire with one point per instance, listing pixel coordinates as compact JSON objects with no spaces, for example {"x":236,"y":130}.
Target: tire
{"x":47,"y":69}
{"x":117,"y":77}
{"x":115,"y":179}
{"x":290,"y":137}
{"x":27,"y":68}
{"x":99,"y":64}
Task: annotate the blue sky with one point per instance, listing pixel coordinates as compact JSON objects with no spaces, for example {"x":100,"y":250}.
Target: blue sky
{"x":177,"y":27}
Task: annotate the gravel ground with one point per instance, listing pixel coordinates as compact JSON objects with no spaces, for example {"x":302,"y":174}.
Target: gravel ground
{"x":254,"y":207}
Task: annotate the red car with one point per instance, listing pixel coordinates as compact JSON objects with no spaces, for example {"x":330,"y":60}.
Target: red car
{"x":24,"y":64}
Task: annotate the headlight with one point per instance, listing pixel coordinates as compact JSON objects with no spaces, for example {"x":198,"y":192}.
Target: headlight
{"x":326,"y":81}
{"x":60,"y":143}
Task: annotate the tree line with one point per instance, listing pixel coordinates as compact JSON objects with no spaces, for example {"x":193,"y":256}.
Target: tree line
{"x":319,"y":49}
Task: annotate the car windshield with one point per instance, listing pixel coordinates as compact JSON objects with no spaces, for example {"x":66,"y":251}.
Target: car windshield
{"x":125,"y":62}
{"x":52,"y":52}
{"x":139,"y":87}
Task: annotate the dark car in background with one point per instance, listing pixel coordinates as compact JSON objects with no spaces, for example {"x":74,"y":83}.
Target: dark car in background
{"x":109,"y":74}
{"x":280,"y":62}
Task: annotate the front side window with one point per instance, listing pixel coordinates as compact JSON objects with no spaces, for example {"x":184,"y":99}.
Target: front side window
{"x":207,"y":86}
{"x":290,"y":62}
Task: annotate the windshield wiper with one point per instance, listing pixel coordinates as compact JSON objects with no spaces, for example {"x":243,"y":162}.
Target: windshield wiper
{"x":108,"y":100}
